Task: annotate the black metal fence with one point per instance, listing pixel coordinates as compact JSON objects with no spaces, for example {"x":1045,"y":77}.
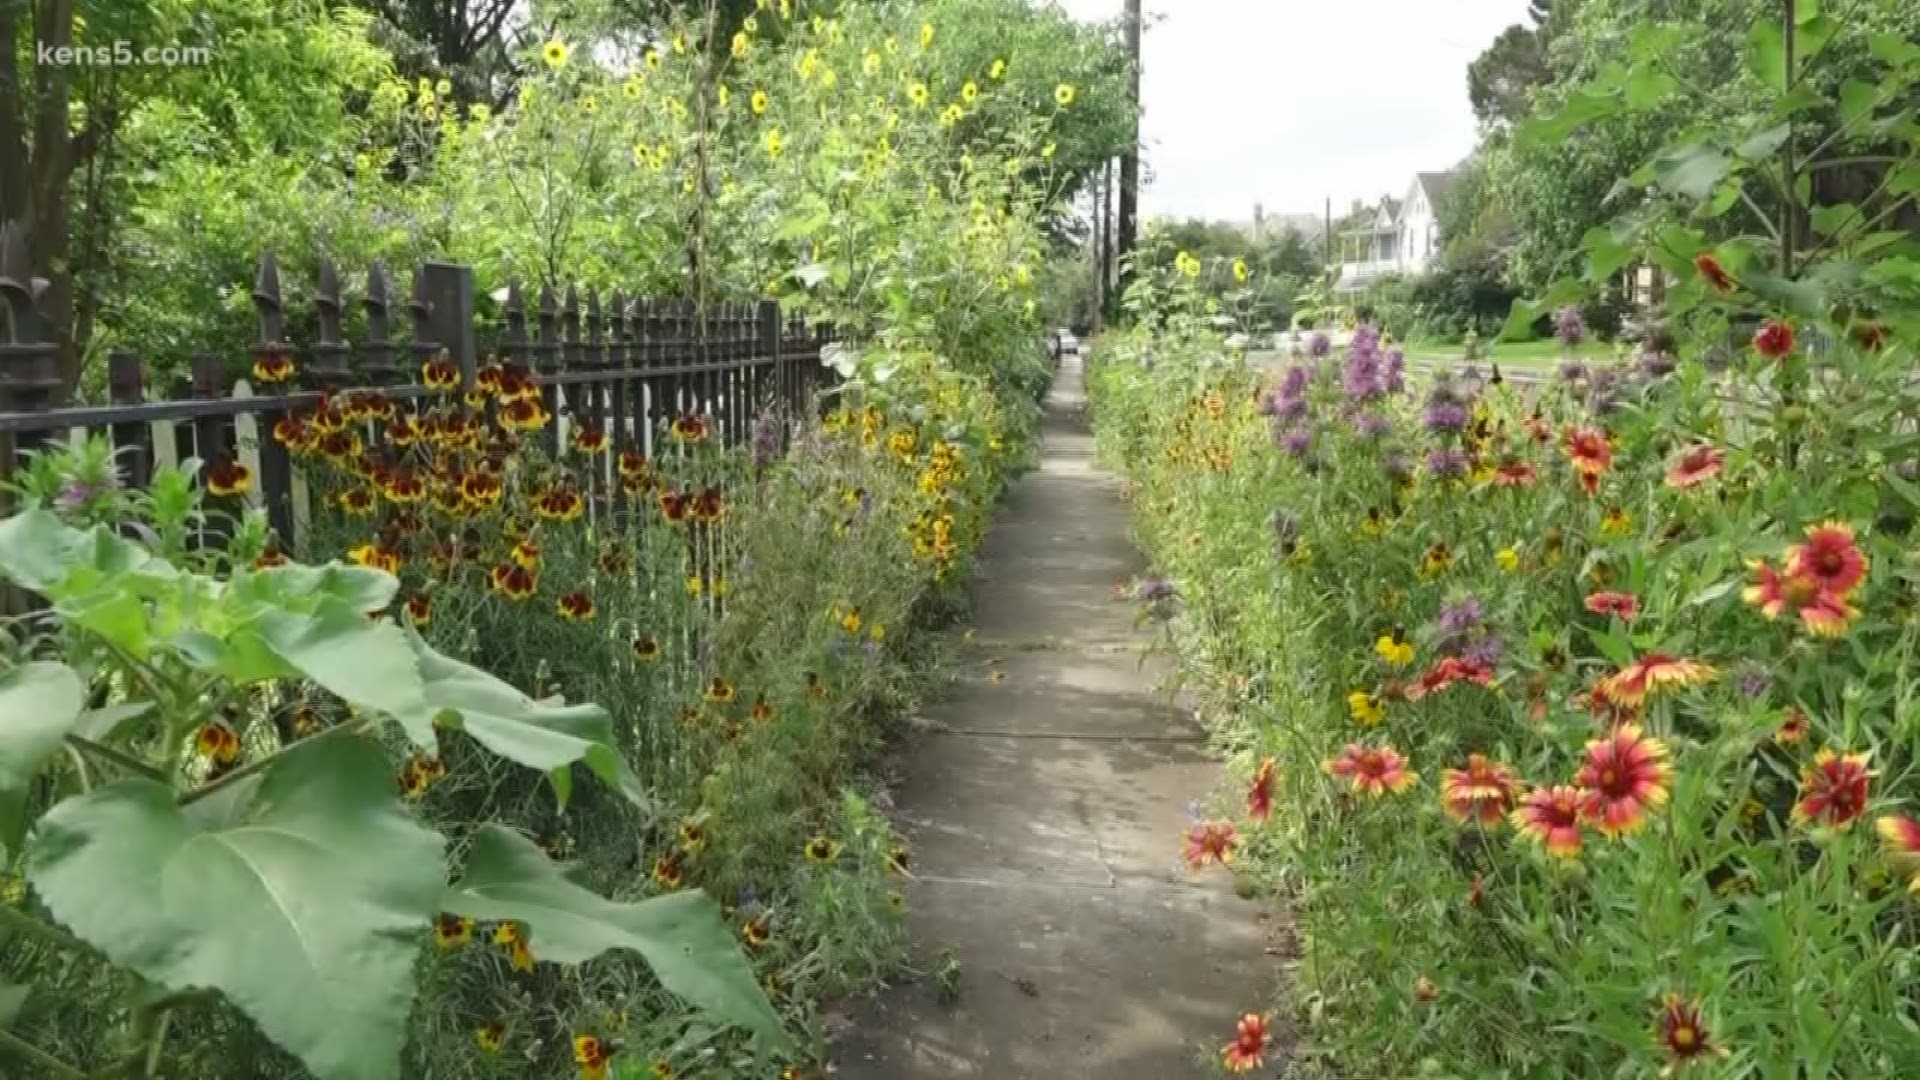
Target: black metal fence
{"x":625,"y":365}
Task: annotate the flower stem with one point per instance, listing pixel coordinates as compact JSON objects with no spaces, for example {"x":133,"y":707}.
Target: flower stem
{"x":124,"y":760}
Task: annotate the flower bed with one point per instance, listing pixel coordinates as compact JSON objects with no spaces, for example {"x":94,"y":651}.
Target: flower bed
{"x":1575,"y":717}
{"x":1573,"y":721}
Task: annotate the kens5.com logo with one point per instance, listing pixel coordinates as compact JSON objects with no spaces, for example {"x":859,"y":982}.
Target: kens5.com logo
{"x":122,"y":54}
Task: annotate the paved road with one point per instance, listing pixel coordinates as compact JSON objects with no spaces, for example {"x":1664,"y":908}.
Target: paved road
{"x":1045,"y":814}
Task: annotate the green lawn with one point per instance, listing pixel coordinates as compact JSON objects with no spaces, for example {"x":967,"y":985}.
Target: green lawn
{"x":1520,"y":354}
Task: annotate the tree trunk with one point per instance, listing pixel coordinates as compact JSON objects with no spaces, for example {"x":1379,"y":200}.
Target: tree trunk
{"x":1128,"y":226}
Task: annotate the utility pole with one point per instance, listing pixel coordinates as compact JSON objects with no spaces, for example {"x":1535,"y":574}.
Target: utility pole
{"x":1326,"y":239}
{"x":1130,"y":163}
{"x":1106,"y":263}
{"x":1099,"y":248}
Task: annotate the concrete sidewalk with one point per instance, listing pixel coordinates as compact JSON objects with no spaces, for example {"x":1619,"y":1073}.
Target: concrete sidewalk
{"x":1045,"y":814}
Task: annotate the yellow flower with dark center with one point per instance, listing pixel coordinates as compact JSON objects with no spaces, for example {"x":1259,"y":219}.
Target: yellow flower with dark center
{"x":217,"y":742}
{"x":228,"y":477}
{"x":1063,"y":95}
{"x":758,"y":102}
{"x":917,"y":94}
{"x":756,"y":932}
{"x":633,"y":88}
{"x":525,"y":414}
{"x":691,"y":714}
{"x":1365,"y":708}
{"x":419,"y":610}
{"x":693,"y":836}
{"x":575,"y":606}
{"x":679,"y":43}
{"x":555,"y":53}
{"x":377,"y":557}
{"x":1616,"y":522}
{"x":404,"y":489}
{"x":1436,"y":560}
{"x":525,"y":554}
{"x":689,"y":428}
{"x":513,"y":582}
{"x":740,"y":45}
{"x":646,"y":648}
{"x":273,"y":367}
{"x":491,"y":1036}
{"x":719,"y":691}
{"x":590,"y":439}
{"x":357,"y":501}
{"x":899,"y":859}
{"x":822,"y":849}
{"x":969,"y":91}
{"x":440,"y":374}
{"x":774,"y":142}
{"x":997,"y":70}
{"x":850,"y":620}
{"x":592,"y":1056}
{"x":452,"y":931}
{"x":926,"y":34}
{"x":661,"y":1069}
{"x":1394,"y":648}
{"x":667,"y":871}
{"x":762,"y":710}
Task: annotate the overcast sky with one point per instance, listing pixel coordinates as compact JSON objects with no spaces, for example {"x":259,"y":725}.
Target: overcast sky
{"x":1288,"y":102}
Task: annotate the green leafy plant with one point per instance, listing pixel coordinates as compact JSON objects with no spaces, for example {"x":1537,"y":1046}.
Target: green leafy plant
{"x":289,"y":876}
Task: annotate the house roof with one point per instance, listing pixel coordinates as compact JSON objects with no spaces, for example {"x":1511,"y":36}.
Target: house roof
{"x":1385,"y":215}
{"x":1435,"y":184}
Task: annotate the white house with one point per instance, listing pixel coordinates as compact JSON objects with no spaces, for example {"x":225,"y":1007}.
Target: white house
{"x":1402,"y":237}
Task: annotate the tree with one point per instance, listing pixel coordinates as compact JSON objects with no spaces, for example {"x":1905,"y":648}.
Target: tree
{"x":1501,"y":80}
{"x":470,"y":42}
{"x":77,"y":133}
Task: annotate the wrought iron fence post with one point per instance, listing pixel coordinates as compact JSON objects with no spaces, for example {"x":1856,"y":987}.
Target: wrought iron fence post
{"x":276,"y":471}
{"x":447,"y":291}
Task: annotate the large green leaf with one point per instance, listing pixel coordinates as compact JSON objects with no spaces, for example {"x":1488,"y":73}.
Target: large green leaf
{"x":1767,"y":54}
{"x":301,"y":897}
{"x":39,"y":703}
{"x":509,"y":723}
{"x":1581,"y":107}
{"x":365,"y":661}
{"x":13,"y":998}
{"x":1693,"y":171}
{"x":358,"y":587}
{"x":42,"y":553}
{"x":682,"y":935}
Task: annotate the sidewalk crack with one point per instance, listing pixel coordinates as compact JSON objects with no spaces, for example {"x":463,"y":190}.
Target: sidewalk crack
{"x":1099,"y":848}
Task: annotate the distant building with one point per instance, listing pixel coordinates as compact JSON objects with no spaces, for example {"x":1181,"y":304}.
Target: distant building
{"x":1402,"y":236}
{"x":1267,"y":225}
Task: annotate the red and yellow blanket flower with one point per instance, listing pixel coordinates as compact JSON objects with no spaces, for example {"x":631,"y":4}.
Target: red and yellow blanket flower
{"x":1372,"y":770}
{"x":1625,"y":774}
